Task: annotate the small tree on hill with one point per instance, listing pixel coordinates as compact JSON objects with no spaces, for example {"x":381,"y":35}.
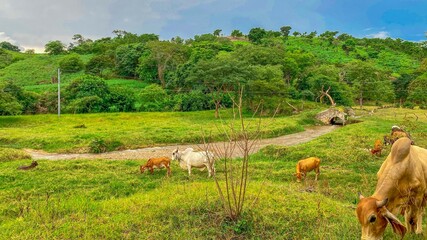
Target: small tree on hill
{"x":236,"y":33}
{"x":54,"y":47}
{"x":9,"y":46}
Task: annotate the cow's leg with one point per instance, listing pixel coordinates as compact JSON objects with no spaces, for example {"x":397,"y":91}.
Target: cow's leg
{"x":419,"y":229}
{"x":189,"y":169}
{"x":317,"y":173}
{"x":410,"y":219}
{"x":209,"y":169}
{"x":168,"y":169}
{"x":213,"y":167}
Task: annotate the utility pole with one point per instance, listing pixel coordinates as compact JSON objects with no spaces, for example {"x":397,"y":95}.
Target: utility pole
{"x":59,"y":92}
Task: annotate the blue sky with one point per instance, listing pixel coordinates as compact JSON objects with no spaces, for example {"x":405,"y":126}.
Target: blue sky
{"x":31,"y":24}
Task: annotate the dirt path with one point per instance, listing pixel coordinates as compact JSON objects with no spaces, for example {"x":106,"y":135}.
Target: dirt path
{"x":145,"y":153}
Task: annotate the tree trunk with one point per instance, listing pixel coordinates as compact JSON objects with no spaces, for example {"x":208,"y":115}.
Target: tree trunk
{"x":161,"y":75}
{"x":217,"y":105}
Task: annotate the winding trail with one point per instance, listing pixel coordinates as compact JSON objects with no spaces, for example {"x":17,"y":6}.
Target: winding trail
{"x":145,"y":153}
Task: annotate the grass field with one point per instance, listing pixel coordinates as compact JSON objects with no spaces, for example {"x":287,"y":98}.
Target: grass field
{"x":107,"y":199}
{"x":124,"y":130}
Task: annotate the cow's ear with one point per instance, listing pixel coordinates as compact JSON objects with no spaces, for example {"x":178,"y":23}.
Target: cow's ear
{"x":397,"y":226}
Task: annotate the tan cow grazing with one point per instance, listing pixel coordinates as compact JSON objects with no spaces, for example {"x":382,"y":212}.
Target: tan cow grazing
{"x":160,"y":162}
{"x":307,"y":165}
{"x":378,"y":147}
{"x":401,"y":188}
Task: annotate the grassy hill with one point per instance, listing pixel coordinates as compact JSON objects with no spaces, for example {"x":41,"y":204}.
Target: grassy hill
{"x":107,"y":199}
{"x":388,"y":59}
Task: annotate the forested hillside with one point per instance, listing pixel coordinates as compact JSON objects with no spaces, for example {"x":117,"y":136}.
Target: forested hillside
{"x":130,"y":72}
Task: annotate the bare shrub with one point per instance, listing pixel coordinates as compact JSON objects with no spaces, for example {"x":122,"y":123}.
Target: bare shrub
{"x":242,"y":138}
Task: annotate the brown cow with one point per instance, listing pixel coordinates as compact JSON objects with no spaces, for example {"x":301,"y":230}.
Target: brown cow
{"x":378,"y":147}
{"x":306,"y":165}
{"x":401,"y":188}
{"x":396,"y":133}
{"x":157,"y":163}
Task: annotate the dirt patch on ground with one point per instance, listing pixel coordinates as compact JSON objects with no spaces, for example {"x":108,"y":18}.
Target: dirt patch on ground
{"x":145,"y":153}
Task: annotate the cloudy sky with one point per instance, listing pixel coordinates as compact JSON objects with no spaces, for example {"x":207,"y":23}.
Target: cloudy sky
{"x":32,"y":23}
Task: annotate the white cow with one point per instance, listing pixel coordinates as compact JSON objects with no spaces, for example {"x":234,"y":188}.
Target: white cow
{"x":188,"y":159}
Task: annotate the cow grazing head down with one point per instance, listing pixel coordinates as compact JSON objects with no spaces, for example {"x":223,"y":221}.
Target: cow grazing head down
{"x":374,"y":217}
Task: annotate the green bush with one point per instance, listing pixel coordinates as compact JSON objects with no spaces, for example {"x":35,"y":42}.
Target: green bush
{"x":121,"y":100}
{"x":90,"y":104}
{"x":409,"y":105}
{"x":85,"y":86}
{"x":100,"y":65}
{"x":153,"y":98}
{"x":16,"y":100}
{"x":9,"y":105}
{"x":71,"y":63}
{"x":193,"y":101}
{"x":100,"y":146}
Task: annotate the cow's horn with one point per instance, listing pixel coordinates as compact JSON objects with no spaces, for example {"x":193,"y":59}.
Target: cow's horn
{"x":361,"y":196}
{"x":382,"y":203}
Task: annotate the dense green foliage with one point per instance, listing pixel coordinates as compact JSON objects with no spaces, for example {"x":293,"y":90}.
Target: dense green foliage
{"x":109,"y":199}
{"x":272,"y":66}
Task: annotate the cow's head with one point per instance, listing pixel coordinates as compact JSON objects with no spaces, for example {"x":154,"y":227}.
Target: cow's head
{"x":374,"y":216}
{"x":176,"y":155}
{"x":299,"y":176}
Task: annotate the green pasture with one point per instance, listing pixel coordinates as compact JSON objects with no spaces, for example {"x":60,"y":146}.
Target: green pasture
{"x":74,"y":133}
{"x":110,"y":199}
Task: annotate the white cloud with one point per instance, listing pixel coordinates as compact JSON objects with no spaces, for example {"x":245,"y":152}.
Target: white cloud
{"x":5,"y":37}
{"x":381,"y":35}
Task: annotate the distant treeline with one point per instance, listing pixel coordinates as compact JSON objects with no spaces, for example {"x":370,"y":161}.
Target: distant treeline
{"x":207,"y":71}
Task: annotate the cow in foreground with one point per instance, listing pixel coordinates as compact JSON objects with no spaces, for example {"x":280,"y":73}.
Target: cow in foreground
{"x":161,"y":162}
{"x":189,"y":158}
{"x":401,"y":188}
{"x":307,"y":165}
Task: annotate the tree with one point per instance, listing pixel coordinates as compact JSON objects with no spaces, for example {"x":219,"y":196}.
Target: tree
{"x":166,"y":55}
{"x":9,"y":46}
{"x":329,"y":36}
{"x":71,"y":63}
{"x":99,"y":64}
{"x":349,"y":45}
{"x":260,"y":55}
{"x":30,"y":51}
{"x":54,"y":47}
{"x":177,"y":40}
{"x":256,"y":34}
{"x":236,"y":33}
{"x":219,"y":76}
{"x":217,"y":32}
{"x":418,"y":89}
{"x":296,"y":34}
{"x":290,"y":69}
{"x":401,"y":85}
{"x":368,"y":82}
{"x":312,"y":35}
{"x":127,"y":57}
{"x":285,"y":30}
